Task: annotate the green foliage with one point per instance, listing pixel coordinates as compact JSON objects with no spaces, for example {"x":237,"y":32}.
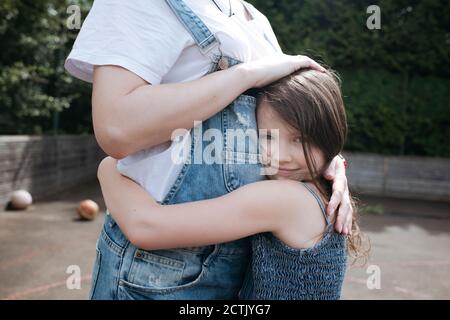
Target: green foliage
{"x":396,"y":113}
{"x":33,"y":84}
{"x":395,"y":80}
{"x":414,"y":35}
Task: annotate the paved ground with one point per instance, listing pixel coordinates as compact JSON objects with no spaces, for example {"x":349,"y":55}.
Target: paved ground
{"x":410,"y":249}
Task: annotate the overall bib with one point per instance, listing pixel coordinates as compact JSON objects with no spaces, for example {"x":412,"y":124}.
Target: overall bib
{"x":123,"y":271}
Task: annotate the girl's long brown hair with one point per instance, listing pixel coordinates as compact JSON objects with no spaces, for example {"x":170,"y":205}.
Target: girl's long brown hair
{"x":311,"y":103}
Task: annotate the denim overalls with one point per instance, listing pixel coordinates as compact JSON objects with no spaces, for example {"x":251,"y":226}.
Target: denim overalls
{"x":122,"y":271}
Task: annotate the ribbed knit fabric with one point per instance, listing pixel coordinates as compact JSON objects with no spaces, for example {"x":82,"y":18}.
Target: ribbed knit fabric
{"x":281,"y":272}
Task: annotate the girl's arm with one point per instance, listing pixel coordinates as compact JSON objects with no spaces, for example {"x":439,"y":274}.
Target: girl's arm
{"x":130,"y":114}
{"x":253,"y":208}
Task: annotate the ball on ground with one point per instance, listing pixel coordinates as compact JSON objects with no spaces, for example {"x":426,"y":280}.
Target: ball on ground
{"x":88,"y":209}
{"x":20,"y":199}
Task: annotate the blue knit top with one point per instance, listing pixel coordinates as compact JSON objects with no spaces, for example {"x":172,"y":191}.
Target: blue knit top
{"x":280,"y":272}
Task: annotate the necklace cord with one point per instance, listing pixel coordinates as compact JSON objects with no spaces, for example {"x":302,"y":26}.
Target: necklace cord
{"x":231,"y":13}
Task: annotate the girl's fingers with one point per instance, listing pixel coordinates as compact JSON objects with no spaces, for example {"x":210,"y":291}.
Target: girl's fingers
{"x":307,"y":62}
{"x":314,"y":65}
{"x":340,"y":197}
{"x":346,"y":212}
{"x":339,"y":187}
{"x":340,"y":222}
{"x":336,"y":198}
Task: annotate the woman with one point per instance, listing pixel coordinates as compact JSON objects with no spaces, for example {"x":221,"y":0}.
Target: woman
{"x":157,"y":66}
{"x":303,"y":258}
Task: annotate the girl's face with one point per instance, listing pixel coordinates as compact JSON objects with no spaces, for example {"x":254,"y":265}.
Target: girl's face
{"x":283,"y":156}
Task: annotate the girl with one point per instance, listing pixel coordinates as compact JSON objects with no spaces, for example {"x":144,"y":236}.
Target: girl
{"x":296,"y":253}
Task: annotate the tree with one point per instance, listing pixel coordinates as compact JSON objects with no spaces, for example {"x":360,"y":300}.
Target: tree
{"x":33,"y":83}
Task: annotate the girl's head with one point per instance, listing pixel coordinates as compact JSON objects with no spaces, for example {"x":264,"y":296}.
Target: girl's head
{"x":307,"y":110}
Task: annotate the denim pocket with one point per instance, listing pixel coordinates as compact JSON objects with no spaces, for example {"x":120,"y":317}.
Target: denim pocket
{"x":148,"y":269}
{"x":164,"y":271}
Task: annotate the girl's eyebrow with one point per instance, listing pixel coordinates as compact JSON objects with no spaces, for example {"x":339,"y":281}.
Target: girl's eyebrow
{"x":295,"y":134}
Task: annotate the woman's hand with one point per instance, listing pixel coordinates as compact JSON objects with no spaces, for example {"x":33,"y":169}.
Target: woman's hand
{"x":269,"y":69}
{"x":340,"y":197}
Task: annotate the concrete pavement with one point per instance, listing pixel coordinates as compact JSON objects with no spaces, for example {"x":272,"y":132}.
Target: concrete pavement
{"x":410,"y":249}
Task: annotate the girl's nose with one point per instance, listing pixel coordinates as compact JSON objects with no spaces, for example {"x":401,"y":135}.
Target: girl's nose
{"x":284,"y":158}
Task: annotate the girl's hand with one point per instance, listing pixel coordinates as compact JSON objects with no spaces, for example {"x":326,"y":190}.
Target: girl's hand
{"x":269,"y":69}
{"x":340,"y":197}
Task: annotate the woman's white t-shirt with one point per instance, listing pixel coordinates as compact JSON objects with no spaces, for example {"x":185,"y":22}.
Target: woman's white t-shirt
{"x":147,"y":38}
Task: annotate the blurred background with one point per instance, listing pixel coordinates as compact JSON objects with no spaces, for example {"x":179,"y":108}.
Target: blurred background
{"x":395,"y":79}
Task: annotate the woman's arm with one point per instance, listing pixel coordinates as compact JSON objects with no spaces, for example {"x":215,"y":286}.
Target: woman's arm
{"x":130,"y":114}
{"x":253,"y":208}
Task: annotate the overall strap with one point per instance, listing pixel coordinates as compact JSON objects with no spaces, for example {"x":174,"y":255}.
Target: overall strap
{"x":203,"y":37}
{"x":319,"y":201}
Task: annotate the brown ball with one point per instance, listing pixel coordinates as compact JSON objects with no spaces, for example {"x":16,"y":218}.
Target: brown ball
{"x":88,"y":209}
